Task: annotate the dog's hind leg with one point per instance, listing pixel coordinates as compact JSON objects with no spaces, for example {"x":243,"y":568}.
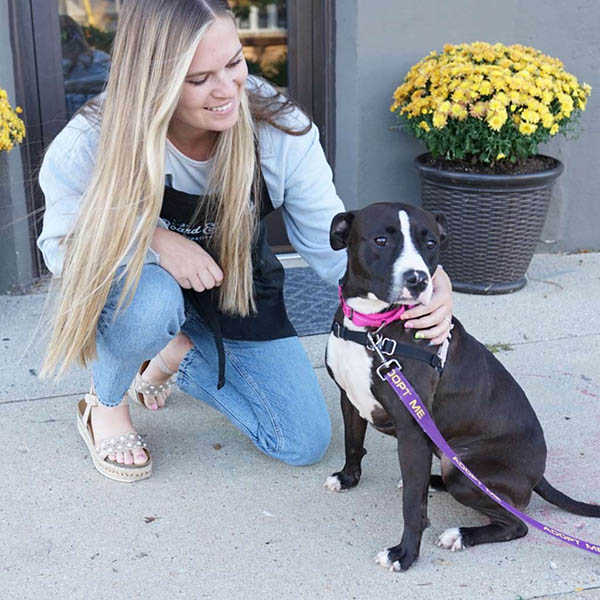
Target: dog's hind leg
{"x":504,"y":525}
{"x":354,"y":435}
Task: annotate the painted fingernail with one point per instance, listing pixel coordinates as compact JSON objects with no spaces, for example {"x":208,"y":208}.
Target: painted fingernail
{"x":154,"y":406}
{"x":419,"y":335}
{"x":408,"y":325}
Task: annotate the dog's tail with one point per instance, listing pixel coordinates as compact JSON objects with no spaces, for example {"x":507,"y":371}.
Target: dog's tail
{"x":552,"y":495}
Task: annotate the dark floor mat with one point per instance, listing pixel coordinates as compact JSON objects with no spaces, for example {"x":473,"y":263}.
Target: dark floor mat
{"x":311,"y":303}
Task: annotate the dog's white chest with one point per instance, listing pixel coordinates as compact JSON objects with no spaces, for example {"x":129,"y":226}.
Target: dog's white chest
{"x":351,"y":367}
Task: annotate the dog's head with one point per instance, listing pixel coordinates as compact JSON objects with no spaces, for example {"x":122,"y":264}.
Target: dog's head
{"x":393,"y":251}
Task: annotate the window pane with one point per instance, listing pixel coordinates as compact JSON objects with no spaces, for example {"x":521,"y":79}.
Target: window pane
{"x":262,"y":25}
{"x":88,"y":29}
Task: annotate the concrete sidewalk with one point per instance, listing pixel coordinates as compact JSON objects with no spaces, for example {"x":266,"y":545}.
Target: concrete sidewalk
{"x":220,"y":520}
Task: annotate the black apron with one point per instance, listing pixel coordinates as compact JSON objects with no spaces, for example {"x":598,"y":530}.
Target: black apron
{"x":270,"y":321}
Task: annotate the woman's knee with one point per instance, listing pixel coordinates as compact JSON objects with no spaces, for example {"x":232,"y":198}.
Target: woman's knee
{"x":156,"y":311}
{"x":308,"y":446}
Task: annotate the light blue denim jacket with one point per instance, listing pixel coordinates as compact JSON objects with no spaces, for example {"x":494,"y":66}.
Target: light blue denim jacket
{"x":294,"y":167}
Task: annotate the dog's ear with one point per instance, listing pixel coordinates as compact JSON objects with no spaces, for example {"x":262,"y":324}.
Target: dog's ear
{"x":340,"y":229}
{"x":442,"y":222}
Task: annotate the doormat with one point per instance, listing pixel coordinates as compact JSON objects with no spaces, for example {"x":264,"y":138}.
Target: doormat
{"x":310,"y":302}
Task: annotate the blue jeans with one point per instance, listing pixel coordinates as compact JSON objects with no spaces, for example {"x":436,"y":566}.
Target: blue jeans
{"x":271,"y":393}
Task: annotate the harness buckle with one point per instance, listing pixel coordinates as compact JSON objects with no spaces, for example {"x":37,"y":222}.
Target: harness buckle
{"x":390,"y":364}
{"x":392,"y":348}
{"x":381,"y":345}
{"x":336,"y":328}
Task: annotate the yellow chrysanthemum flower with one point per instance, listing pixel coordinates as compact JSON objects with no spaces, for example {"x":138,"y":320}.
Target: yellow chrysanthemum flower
{"x":496,"y":119}
{"x":500,"y":156}
{"x":458,"y":95}
{"x":527,"y":128}
{"x":458,"y":111}
{"x":424,"y":126}
{"x":554,"y":129}
{"x":478,"y":110}
{"x":495,"y":104}
{"x":530,"y":116}
{"x":485,"y":88}
{"x":440,"y":120}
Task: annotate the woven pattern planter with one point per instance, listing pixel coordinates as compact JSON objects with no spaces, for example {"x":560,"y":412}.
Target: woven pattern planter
{"x":494,"y":222}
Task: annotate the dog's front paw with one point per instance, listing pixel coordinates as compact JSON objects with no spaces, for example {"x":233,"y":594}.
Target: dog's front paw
{"x":451,"y":539}
{"x":341,"y":482}
{"x":398,"y":558}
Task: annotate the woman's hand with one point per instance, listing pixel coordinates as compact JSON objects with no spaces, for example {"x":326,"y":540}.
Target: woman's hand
{"x":433,"y":320}
{"x":191,"y":266}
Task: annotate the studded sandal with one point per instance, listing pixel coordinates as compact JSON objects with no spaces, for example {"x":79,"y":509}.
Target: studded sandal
{"x":140,"y":387}
{"x":101,"y":449}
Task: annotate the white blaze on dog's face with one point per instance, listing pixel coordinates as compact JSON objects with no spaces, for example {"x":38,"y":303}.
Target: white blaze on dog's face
{"x":411,"y":281}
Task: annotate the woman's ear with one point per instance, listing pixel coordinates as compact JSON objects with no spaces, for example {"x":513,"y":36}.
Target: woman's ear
{"x":340,"y":229}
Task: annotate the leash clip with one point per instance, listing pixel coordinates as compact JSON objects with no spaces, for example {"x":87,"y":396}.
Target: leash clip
{"x":388,"y":365}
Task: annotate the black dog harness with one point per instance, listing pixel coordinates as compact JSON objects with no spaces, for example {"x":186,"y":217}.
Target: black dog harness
{"x":387,"y":346}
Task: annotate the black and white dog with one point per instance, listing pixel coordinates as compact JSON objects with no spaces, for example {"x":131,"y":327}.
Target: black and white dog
{"x":393,"y":250}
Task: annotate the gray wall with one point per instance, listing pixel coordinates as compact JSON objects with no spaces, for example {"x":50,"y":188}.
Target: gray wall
{"x":379,"y":40}
{"x":15,"y":251}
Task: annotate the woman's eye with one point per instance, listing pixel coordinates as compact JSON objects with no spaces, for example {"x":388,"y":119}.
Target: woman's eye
{"x":231,"y":65}
{"x":381,"y":241}
{"x":431,"y":244}
{"x":235,"y":63}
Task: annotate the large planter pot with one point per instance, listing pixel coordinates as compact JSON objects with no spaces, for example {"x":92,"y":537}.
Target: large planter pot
{"x":494,"y":222}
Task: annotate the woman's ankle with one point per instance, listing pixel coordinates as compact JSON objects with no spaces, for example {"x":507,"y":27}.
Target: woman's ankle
{"x":173,"y":353}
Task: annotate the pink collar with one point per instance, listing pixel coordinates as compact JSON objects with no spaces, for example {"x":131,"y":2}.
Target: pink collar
{"x":371,"y":319}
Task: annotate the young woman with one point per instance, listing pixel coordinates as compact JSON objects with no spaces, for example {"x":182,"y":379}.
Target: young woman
{"x":155,"y":199}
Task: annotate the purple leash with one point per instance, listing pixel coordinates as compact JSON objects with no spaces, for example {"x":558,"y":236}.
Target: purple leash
{"x":416,"y":408}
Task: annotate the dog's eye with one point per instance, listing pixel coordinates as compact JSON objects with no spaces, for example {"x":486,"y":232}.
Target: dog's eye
{"x":431,"y":244}
{"x":381,"y":241}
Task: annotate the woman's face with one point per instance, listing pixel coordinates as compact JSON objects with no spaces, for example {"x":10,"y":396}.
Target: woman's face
{"x":213,"y":86}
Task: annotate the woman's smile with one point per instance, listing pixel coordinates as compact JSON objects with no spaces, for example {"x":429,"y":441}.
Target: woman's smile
{"x":221,"y":108}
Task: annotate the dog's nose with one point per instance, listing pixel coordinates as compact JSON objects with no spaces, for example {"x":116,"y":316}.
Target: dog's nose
{"x":416,"y":281}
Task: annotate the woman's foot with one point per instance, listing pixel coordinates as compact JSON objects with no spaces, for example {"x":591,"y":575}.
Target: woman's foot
{"x":110,"y":422}
{"x":163,"y":366}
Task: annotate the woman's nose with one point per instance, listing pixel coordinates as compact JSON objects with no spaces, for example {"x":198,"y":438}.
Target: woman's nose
{"x":226,"y":86}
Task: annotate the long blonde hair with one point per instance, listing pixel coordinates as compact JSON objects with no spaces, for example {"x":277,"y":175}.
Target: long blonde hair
{"x":154,"y":46}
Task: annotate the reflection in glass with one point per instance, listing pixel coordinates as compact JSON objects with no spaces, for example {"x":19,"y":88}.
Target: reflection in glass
{"x":262,"y":25}
{"x":87,"y":30}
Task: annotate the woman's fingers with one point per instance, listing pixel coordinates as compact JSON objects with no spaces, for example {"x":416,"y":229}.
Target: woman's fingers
{"x":216,"y":272}
{"x":412,"y":314}
{"x":207,"y":277}
{"x":431,"y":325}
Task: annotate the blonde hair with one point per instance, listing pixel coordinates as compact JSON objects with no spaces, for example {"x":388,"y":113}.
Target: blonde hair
{"x":154,"y":46}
